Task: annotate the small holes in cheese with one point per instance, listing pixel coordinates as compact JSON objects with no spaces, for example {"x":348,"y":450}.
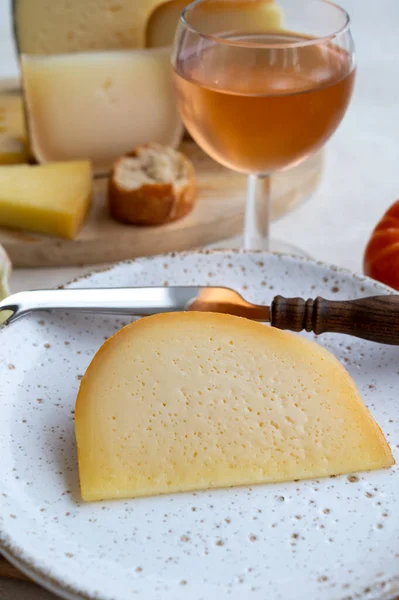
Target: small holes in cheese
{"x":227,"y":412}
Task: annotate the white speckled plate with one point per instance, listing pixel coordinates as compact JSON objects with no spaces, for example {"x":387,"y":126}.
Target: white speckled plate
{"x":332,"y":539}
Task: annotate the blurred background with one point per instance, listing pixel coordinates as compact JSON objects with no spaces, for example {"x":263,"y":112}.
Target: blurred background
{"x":360,"y":179}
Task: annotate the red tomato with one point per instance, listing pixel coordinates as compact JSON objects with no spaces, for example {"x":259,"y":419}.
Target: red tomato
{"x":381,"y":258}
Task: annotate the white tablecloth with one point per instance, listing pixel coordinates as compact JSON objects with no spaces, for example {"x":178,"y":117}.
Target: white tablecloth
{"x":362,"y":171}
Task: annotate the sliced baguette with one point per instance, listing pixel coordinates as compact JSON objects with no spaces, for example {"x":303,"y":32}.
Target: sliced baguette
{"x":152,"y":185}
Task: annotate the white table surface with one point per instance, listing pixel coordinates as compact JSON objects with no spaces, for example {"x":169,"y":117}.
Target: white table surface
{"x":360,"y":182}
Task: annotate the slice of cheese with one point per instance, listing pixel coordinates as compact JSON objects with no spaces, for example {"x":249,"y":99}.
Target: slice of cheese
{"x":61,"y":26}
{"x":99,"y":105}
{"x":223,"y":15}
{"x":187,"y":401}
{"x":13,"y":142}
{"x":52,"y":199}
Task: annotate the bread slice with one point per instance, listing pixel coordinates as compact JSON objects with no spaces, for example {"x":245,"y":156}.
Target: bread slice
{"x":187,"y":401}
{"x":152,"y":185}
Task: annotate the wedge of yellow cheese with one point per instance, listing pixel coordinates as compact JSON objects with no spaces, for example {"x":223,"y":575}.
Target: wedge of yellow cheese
{"x":60,"y":26}
{"x":187,"y":401}
{"x":52,"y":199}
{"x":225,"y":15}
{"x":99,"y":105}
{"x":13,"y":139}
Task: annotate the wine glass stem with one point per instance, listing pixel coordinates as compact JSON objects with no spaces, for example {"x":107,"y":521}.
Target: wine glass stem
{"x":257,"y":213}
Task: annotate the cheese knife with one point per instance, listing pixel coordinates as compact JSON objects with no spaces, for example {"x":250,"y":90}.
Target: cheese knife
{"x":375,"y":318}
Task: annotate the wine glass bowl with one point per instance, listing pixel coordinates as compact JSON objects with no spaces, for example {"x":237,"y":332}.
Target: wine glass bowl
{"x":261,"y":86}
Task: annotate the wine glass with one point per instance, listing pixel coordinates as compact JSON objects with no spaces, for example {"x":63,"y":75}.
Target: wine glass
{"x":262,"y":85}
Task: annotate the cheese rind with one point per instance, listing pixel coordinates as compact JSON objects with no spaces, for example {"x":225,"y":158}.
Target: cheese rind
{"x":99,"y":105}
{"x":51,"y":199}
{"x":66,"y":26}
{"x":63,"y":26}
{"x":189,"y":401}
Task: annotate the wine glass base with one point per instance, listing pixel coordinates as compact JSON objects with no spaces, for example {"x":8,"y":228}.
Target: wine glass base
{"x":274,"y":246}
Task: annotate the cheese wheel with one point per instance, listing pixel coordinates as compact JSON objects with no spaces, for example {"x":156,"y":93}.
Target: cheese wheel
{"x":63,"y":26}
{"x":187,"y":401}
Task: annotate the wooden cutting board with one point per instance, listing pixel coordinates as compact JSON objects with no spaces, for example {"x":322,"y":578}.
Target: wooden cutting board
{"x":10,"y":572}
{"x":217,"y":216}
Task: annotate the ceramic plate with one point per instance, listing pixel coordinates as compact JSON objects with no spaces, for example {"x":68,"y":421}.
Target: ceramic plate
{"x":330,"y":539}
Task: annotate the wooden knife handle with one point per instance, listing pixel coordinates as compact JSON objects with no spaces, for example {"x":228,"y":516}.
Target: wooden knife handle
{"x":375,"y":318}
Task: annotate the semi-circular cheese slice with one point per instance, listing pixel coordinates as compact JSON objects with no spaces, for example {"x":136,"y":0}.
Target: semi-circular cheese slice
{"x":187,"y":401}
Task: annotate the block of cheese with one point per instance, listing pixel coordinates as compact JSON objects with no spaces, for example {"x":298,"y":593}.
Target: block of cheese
{"x":52,"y":199}
{"x":61,"y":26}
{"x":13,"y":142}
{"x":99,"y":105}
{"x":187,"y":401}
{"x":223,"y":15}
